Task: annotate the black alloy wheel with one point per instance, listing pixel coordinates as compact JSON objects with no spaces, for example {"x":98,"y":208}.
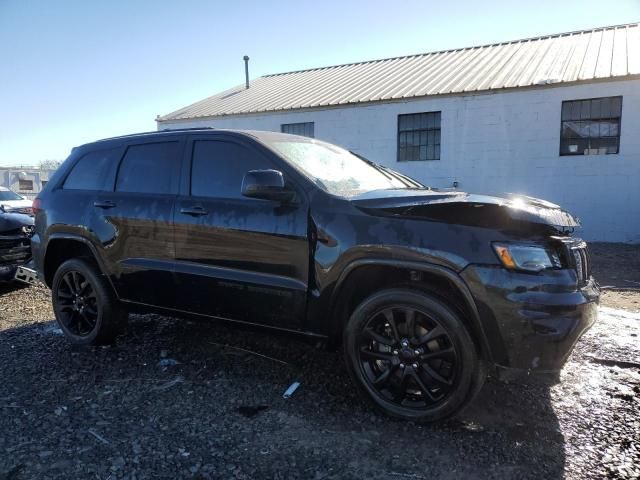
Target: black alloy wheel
{"x":411,"y":355}
{"x":77,"y":304}
{"x":85,"y":305}
{"x":407,"y":356}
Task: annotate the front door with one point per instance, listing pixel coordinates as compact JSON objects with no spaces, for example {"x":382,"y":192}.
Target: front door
{"x":237,"y":257}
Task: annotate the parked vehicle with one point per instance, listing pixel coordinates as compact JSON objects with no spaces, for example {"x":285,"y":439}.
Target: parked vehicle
{"x":425,"y":290}
{"x":10,"y":201}
{"x":15,"y":242}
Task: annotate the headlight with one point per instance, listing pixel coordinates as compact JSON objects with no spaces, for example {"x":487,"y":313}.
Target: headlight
{"x":526,"y":257}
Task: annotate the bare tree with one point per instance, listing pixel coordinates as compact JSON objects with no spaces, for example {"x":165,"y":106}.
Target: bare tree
{"x":49,"y":164}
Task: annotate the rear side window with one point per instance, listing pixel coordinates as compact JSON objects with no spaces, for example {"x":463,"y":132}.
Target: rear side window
{"x":92,"y":172}
{"x":218,"y":168}
{"x":149,"y":168}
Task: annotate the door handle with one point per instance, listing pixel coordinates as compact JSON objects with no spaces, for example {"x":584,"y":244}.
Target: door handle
{"x":194,"y":211}
{"x":104,"y":204}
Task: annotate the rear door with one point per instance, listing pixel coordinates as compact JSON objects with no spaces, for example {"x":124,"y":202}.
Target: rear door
{"x":92,"y":173}
{"x":134,"y":222}
{"x":237,"y":257}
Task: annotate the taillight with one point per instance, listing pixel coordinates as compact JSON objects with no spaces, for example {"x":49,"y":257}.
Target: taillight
{"x":36,"y":206}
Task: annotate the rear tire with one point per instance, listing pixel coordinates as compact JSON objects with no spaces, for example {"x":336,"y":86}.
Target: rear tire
{"x":411,"y":356}
{"x":86,"y":307}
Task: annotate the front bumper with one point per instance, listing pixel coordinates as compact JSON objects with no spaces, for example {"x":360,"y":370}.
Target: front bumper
{"x":7,"y":273}
{"x":15,"y":251}
{"x":532,"y":321}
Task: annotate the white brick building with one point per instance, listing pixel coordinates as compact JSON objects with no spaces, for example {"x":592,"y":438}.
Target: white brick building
{"x":500,"y":114}
{"x":26,"y":181}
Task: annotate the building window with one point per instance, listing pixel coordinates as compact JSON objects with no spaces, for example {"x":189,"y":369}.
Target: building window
{"x":44,"y":183}
{"x":590,"y":127}
{"x":25,"y":184}
{"x":305,"y":129}
{"x":419,"y":137}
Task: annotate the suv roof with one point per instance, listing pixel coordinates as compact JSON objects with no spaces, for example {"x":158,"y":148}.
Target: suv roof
{"x":154,"y":133}
{"x":259,"y":134}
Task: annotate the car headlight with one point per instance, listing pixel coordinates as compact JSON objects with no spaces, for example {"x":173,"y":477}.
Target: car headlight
{"x":528,"y":258}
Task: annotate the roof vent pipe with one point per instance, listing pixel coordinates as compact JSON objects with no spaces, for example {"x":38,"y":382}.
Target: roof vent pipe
{"x":246,"y":71}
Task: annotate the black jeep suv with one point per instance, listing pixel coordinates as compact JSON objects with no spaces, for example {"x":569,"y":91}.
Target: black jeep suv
{"x":426,"y":290}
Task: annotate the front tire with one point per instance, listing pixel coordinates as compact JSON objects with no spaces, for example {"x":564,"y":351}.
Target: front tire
{"x":85,"y":305}
{"x":411,"y":355}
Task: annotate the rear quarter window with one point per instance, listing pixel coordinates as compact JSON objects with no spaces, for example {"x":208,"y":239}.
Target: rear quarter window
{"x":94,"y":171}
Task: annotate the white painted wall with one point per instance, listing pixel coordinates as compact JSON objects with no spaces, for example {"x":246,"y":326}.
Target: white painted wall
{"x":494,"y":143}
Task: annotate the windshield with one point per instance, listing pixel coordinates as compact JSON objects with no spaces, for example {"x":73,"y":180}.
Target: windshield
{"x":9,"y":195}
{"x":337,"y":170}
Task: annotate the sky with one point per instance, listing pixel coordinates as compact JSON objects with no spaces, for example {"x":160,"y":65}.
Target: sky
{"x":77,"y":71}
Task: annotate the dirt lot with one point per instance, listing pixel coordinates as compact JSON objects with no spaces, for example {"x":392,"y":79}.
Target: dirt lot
{"x":115,"y":412}
{"x":617,"y":269}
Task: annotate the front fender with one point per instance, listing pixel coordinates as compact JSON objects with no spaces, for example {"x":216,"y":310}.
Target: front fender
{"x":474,"y":322}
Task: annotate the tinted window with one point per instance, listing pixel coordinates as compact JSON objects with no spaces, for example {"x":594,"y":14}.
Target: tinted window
{"x":219,"y":167}
{"x":92,"y":172}
{"x":149,"y":168}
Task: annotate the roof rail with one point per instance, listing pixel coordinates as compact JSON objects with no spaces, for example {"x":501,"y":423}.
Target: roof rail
{"x":185,"y":129}
{"x":153,"y":132}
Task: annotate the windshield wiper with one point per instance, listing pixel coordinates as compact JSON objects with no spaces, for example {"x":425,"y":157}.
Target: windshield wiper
{"x":404,"y":178}
{"x":391,"y":174}
{"x":374,"y":165}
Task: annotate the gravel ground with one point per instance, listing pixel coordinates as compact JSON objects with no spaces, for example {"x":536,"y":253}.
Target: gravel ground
{"x":617,"y":268}
{"x":115,"y":412}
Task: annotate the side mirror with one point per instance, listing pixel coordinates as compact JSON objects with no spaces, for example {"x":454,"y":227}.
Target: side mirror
{"x":267,"y":185}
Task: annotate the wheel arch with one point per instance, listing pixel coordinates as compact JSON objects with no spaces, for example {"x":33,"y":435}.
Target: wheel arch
{"x":363,"y":277}
{"x":62,"y":247}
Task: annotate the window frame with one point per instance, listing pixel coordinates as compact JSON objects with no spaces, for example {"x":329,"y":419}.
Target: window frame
{"x":599,"y":119}
{"x":427,"y":130}
{"x":313,"y":128}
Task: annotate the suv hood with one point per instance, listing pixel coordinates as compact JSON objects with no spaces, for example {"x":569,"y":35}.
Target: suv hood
{"x":466,"y":208}
{"x":16,"y":204}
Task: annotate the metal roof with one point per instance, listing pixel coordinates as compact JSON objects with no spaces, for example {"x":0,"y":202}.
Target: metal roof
{"x":586,"y":55}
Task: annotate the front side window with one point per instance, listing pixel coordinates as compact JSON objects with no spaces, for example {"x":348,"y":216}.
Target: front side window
{"x":149,"y":168}
{"x":419,"y":137}
{"x":337,"y":170}
{"x":305,"y":129}
{"x":91,"y":172}
{"x":591,"y":127}
{"x":218,"y":167}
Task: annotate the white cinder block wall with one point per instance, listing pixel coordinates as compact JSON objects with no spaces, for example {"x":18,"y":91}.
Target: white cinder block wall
{"x":493,"y":143}
{"x":10,"y":178}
